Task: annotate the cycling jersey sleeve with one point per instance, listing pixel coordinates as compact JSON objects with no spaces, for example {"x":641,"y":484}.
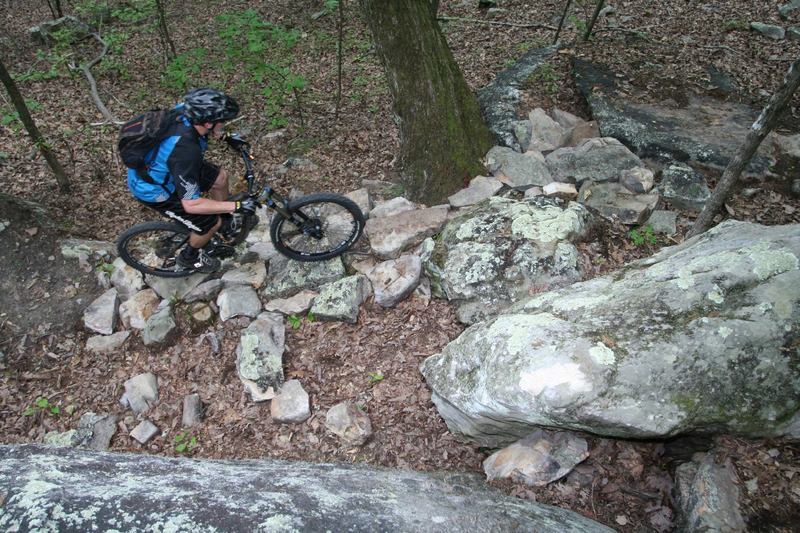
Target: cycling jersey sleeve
{"x":184,"y":165}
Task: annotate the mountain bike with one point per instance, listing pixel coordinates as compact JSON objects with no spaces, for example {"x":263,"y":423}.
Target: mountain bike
{"x":315,"y":227}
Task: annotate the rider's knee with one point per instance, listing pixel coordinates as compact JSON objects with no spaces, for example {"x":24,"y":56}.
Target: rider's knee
{"x":222,"y":179}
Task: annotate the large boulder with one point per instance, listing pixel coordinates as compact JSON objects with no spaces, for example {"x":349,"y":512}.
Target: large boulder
{"x":498,"y":251}
{"x":63,"y":489}
{"x":600,"y":160}
{"x":701,"y":337}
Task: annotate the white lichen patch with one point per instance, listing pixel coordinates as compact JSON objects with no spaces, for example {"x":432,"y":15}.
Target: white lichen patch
{"x":768,"y":263}
{"x":248,"y":362}
{"x":567,"y":375}
{"x":547,"y":224}
{"x":280,"y":523}
{"x":724,"y":332}
{"x":602,"y":354}
{"x":517,"y":333}
{"x":715,"y":295}
{"x":579,"y":301}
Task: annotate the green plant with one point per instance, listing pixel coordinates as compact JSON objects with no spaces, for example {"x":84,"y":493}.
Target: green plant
{"x":134,"y":11}
{"x":108,"y":268}
{"x":644,"y":235}
{"x":311,"y":317}
{"x":43,"y":405}
{"x":395,"y":190}
{"x":294,"y":321}
{"x":182,"y":70}
{"x":11,"y":118}
{"x":735,"y":25}
{"x":375,"y":377}
{"x":548,"y":76}
{"x":580,"y":24}
{"x":184,"y":442}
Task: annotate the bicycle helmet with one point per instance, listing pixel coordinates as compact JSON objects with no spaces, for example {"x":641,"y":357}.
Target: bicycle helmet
{"x":209,"y":105}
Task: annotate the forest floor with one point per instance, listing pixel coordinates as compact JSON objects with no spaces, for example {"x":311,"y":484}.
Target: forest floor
{"x":660,"y":48}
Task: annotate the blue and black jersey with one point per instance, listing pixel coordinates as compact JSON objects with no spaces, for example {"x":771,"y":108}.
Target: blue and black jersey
{"x":174,"y":166}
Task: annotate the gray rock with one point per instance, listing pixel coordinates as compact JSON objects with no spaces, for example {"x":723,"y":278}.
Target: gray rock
{"x":238,"y":300}
{"x":107,"y":343}
{"x":599,"y":160}
{"x":201,"y":312}
{"x":291,"y":405}
{"x":546,"y":134}
{"x":201,"y":495}
{"x":363,"y":200}
{"x":252,"y":274}
{"x":567,"y":191}
{"x":582,"y":132}
{"x":392,"y":207}
{"x":708,"y":496}
{"x":480,"y":188}
{"x":389,"y":236}
{"x":637,"y":179}
{"x":614,"y":202}
{"x":786,"y":9}
{"x":65,"y":438}
{"x":295,"y":276}
{"x":160,"y":327}
{"x":500,"y":99}
{"x":768,"y":30}
{"x":145,"y":431}
{"x":538,"y":459}
{"x":516,"y":169}
{"x":96,"y":431}
{"x":101,"y":315}
{"x":127,"y":280}
{"x":174,"y":288}
{"x":394,"y":280}
{"x":141,"y":392}
{"x":265,"y":250}
{"x":691,"y":339}
{"x":259,"y":356}
{"x":523,"y":130}
{"x":793,"y":34}
{"x":495,"y":253}
{"x":684,"y":188}
{"x":342,"y":299}
{"x":74,"y":248}
{"x":192,"y":410}
{"x":138,"y":308}
{"x":704,"y":130}
{"x":205,"y":292}
{"x":296,"y":305}
{"x":566,"y":120}
{"x":663,"y":222}
{"x":348,"y":423}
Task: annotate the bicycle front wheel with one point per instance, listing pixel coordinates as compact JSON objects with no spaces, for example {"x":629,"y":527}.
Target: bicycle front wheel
{"x":322,"y":226}
{"x":153,"y":247}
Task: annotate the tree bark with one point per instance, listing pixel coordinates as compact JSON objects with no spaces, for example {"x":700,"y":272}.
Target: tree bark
{"x":561,"y":22}
{"x":443,"y":136}
{"x":33,"y":131}
{"x":758,"y":131}
{"x":590,"y":26}
{"x":163,"y":30}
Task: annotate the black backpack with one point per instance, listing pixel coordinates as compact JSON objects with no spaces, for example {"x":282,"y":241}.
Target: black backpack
{"x":140,"y":135}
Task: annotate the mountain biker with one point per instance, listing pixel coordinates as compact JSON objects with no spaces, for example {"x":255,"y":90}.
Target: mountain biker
{"x":177,"y":174}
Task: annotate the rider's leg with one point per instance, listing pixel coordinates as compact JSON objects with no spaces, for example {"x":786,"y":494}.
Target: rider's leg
{"x":197,"y":240}
{"x":219,"y":189}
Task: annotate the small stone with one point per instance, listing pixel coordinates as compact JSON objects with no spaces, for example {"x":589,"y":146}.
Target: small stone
{"x":561,"y":190}
{"x":349,"y":423}
{"x":768,"y":30}
{"x":206,"y":291}
{"x":192,"y":410}
{"x":296,"y":305}
{"x":202,"y":312}
{"x":664,"y":222}
{"x":107,"y":343}
{"x":101,"y":315}
{"x":751,"y":485}
{"x":637,"y":179}
{"x":291,"y":405}
{"x":145,"y":431}
{"x":141,"y":392}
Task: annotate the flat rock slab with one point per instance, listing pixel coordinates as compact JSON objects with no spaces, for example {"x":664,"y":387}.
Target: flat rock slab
{"x":600,"y":159}
{"x":61,"y":488}
{"x":295,"y":276}
{"x":101,"y":315}
{"x":388,"y":236}
{"x":342,"y":299}
{"x":174,"y":288}
{"x":238,"y":300}
{"x":516,"y":169}
{"x":614,"y":202}
{"x":703,"y":131}
{"x":252,"y":274}
{"x":107,"y":343}
{"x":295,"y":305}
{"x":480,"y":188}
{"x":394,"y":280}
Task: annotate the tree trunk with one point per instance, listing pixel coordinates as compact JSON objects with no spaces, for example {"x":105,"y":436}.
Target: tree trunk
{"x":33,"y":131}
{"x":758,"y":131}
{"x":163,"y":30}
{"x":442,"y":134}
{"x":561,"y":22}
{"x":590,"y":26}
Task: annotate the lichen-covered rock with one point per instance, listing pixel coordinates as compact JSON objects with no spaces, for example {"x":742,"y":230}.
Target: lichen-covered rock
{"x":708,"y":497}
{"x":342,"y":299}
{"x":238,"y":300}
{"x":293,"y":276}
{"x":492,"y":255}
{"x":259,"y":356}
{"x":702,"y":336}
{"x":684,"y":187}
{"x":614,"y":202}
{"x":62,"y":489}
{"x":160,"y":327}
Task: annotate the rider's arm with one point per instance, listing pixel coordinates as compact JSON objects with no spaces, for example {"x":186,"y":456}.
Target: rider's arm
{"x":206,"y":206}
{"x":184,"y":165}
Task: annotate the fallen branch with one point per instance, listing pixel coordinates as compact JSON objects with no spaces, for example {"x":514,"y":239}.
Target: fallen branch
{"x":496,"y":23}
{"x":86,"y":69}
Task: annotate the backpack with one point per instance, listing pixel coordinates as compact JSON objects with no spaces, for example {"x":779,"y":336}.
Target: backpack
{"x":140,"y":135}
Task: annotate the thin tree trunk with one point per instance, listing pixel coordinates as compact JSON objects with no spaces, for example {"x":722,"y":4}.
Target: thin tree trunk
{"x":758,"y":131}
{"x":596,"y":13}
{"x":55,"y":8}
{"x":33,"y":131}
{"x":443,"y":137}
{"x":339,"y":59}
{"x":561,"y":22}
{"x":169,"y":46}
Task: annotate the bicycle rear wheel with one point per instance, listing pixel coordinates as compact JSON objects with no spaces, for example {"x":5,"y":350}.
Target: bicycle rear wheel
{"x":152,"y":248}
{"x":322,"y":226}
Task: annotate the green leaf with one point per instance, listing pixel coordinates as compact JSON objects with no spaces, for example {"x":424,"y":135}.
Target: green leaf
{"x":310,"y":317}
{"x":375,"y":377}
{"x":42,"y":403}
{"x":29,"y":411}
{"x":179,"y":437}
{"x":180,"y":448}
{"x":55,"y":410}
{"x":294,"y":321}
